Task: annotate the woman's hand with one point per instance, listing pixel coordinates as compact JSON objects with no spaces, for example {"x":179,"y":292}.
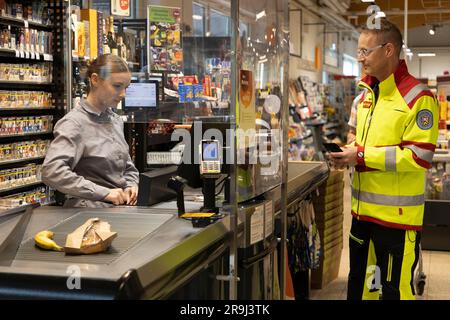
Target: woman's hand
{"x":131,"y":193}
{"x":117,"y":197}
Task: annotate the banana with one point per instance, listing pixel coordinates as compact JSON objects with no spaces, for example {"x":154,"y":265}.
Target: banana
{"x":44,"y":240}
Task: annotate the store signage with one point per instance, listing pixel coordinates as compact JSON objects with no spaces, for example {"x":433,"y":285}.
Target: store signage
{"x":120,"y":8}
{"x":164,"y":44}
{"x":247,"y":114}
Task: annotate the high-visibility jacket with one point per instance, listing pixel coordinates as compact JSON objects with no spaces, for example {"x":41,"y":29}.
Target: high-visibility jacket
{"x":396,"y":138}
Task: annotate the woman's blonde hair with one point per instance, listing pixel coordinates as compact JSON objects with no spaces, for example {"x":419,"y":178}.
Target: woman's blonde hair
{"x":104,"y":66}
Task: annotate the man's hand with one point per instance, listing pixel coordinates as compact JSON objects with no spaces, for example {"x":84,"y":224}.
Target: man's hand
{"x":117,"y":197}
{"x":345,"y":158}
{"x":131,"y":193}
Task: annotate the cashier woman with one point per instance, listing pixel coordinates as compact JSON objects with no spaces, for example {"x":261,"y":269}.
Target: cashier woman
{"x":88,"y":160}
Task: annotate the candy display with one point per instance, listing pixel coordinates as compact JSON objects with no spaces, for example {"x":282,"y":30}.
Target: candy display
{"x":26,"y":39}
{"x":25,"y":99}
{"x":43,"y":195}
{"x":16,"y":177}
{"x":25,"y":125}
{"x":38,"y":72}
{"x":36,"y":11}
{"x":23,"y":150}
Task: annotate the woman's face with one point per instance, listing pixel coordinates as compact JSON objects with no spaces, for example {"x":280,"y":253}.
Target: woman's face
{"x":110,"y":91}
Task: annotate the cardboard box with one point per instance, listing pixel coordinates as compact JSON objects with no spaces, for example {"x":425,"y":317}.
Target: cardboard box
{"x":320,"y":209}
{"x":331,"y":237}
{"x":329,"y":214}
{"x":338,"y":186}
{"x":335,"y":176}
{"x":325,"y":233}
{"x":90,"y":16}
{"x":328,"y":197}
{"x":328,"y":270}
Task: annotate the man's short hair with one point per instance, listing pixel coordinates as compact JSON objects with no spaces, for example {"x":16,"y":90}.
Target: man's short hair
{"x":387,"y":32}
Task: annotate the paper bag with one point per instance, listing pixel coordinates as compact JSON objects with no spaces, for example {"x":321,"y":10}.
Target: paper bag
{"x":92,"y":237}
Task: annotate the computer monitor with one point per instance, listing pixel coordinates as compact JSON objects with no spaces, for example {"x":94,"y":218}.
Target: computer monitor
{"x":142,"y":94}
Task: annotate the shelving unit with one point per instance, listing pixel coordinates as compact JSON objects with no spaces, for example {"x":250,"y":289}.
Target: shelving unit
{"x":20,"y":118}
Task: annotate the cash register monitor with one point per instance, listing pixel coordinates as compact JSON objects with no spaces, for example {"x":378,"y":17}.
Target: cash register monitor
{"x":142,"y":94}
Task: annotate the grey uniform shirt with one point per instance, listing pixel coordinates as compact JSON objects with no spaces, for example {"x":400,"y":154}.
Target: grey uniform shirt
{"x":89,"y":155}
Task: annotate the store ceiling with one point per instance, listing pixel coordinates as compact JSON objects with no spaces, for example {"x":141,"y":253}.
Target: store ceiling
{"x":420,"y":12}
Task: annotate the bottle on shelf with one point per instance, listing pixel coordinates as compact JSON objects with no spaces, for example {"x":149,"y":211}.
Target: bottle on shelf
{"x":122,"y":49}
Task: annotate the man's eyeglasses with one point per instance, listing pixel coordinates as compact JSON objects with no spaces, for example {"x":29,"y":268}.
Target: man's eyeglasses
{"x":367,"y":52}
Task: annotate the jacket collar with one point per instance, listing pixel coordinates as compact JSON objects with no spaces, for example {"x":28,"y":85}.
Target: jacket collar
{"x":390,"y":82}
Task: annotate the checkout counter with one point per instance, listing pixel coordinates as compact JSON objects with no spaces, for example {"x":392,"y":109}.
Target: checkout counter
{"x":155,"y":256}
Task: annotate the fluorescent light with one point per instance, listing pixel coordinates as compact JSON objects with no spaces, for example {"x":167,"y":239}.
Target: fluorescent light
{"x":367,"y":0}
{"x":427,"y":54}
{"x":197,"y":17}
{"x":409,"y":54}
{"x":260,"y":14}
{"x":263,"y":60}
{"x":262,"y":57}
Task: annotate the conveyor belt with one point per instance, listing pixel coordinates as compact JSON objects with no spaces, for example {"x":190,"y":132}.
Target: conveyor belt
{"x":131,"y":228}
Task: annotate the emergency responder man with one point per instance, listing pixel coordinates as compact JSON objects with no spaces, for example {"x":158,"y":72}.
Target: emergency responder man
{"x":396,"y":135}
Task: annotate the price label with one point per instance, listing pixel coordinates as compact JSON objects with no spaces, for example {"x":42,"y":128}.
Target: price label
{"x":32,"y":55}
{"x":22,"y":54}
{"x":25,"y":22}
{"x":17,"y":53}
{"x":27,"y":55}
{"x":38,"y":57}
{"x":48,"y":57}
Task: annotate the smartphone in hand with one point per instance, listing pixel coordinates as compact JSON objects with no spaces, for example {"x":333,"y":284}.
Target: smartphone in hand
{"x":332,"y":147}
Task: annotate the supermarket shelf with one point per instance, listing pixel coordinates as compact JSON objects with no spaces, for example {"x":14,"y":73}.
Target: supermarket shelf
{"x":441,"y":158}
{"x":20,"y":160}
{"x":25,"y":85}
{"x":27,"y":109}
{"x":21,"y":187}
{"x":25,"y":134}
{"x":23,"y":55}
{"x":21,"y":22}
{"x":298,"y":139}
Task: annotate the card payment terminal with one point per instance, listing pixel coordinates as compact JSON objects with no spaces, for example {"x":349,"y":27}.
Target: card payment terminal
{"x":210,"y":157}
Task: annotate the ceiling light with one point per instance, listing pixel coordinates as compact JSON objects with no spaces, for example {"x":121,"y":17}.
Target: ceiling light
{"x":197,"y":17}
{"x":260,"y":14}
{"x":367,"y":0}
{"x":427,"y":54}
{"x":432,"y":30}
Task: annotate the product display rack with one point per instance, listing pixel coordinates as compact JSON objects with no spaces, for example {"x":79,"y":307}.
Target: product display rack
{"x":25,"y":126}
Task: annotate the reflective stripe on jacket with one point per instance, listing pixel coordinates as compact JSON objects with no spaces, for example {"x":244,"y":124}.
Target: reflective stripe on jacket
{"x":396,"y":139}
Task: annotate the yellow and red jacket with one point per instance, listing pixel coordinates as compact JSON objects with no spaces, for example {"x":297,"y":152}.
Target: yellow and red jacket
{"x":396,"y":138}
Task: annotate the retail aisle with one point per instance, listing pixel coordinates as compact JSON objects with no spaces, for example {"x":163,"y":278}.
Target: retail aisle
{"x":435,"y":266}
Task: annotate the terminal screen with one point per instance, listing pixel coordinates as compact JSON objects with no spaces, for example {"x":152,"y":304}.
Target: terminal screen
{"x":210,"y":151}
{"x":142,"y":95}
